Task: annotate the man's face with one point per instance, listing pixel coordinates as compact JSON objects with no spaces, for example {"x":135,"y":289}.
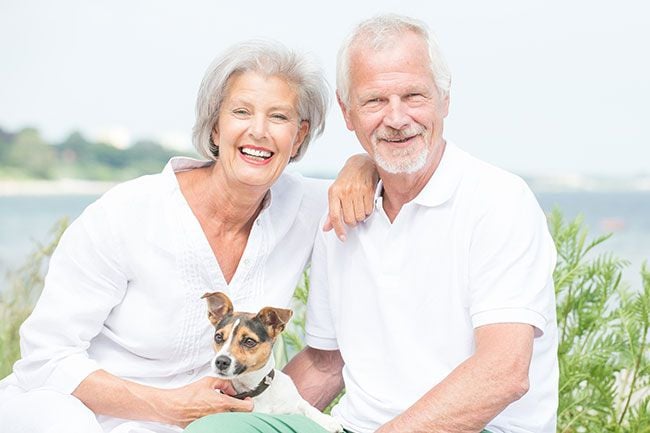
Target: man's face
{"x":395,"y":108}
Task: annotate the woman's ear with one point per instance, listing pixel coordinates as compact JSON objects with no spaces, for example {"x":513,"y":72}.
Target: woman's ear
{"x":214,"y":136}
{"x":300,"y":137}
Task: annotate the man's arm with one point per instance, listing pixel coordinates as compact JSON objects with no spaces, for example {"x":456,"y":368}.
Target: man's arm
{"x":478,"y":389}
{"x":317,"y":375}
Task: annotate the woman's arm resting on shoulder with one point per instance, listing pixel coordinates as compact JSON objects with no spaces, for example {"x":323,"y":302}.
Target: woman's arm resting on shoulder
{"x":478,"y":389}
{"x":351,"y":196}
{"x":317,"y":375}
{"x":106,"y":394}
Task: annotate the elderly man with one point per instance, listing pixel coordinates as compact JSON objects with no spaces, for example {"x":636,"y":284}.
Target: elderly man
{"x":438,"y":313}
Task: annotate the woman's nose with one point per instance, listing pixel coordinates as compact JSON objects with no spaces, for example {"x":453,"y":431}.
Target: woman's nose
{"x":258,"y":127}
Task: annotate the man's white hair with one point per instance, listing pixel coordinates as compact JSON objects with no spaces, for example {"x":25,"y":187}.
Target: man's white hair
{"x":379,"y":32}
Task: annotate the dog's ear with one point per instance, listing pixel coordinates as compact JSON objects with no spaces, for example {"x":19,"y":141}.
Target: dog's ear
{"x":275,"y":319}
{"x":218,"y":306}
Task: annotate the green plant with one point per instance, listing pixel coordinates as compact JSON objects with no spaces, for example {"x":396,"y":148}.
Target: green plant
{"x":603,"y":330}
{"x":603,"y":337}
{"x":25,"y":285}
{"x":291,"y":341}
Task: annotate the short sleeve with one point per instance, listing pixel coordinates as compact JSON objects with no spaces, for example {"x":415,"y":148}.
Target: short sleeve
{"x":319,"y":328}
{"x":511,"y":262}
{"x":84,"y":282}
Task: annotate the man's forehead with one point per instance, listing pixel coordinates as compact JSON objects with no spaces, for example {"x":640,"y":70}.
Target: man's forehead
{"x":404,"y":57}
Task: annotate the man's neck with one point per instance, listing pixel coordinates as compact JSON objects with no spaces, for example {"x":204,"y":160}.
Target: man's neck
{"x":401,"y":188}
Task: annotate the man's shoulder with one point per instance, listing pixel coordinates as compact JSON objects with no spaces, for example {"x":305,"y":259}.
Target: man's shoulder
{"x":488,"y":181}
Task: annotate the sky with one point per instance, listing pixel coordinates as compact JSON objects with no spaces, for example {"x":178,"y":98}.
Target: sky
{"x":540,"y":88}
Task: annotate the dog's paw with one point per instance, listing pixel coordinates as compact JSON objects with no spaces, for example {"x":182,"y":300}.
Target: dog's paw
{"x":330,"y":424}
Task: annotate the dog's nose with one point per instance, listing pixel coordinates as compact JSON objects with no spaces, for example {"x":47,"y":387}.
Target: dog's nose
{"x":222,"y":362}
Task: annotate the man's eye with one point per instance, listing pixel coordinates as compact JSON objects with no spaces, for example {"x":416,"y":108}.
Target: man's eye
{"x":249,"y":342}
{"x":278,"y":116}
{"x":240,"y":111}
{"x":218,"y":337}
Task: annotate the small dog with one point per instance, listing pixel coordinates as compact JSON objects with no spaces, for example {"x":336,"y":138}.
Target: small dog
{"x":243,"y":343}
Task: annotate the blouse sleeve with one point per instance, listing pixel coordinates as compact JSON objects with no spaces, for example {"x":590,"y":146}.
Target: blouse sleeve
{"x":84,"y":282}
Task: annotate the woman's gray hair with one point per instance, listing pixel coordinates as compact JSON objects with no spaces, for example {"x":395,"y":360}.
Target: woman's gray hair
{"x":377,"y":33}
{"x":270,"y":59}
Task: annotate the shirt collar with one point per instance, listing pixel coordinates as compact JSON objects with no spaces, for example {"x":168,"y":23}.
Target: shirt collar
{"x":443,"y":183}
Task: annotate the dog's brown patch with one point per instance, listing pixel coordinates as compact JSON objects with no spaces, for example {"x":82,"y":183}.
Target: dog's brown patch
{"x":253,"y":356}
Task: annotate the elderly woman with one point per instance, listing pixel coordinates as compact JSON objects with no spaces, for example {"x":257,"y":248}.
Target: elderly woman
{"x":119,"y":340}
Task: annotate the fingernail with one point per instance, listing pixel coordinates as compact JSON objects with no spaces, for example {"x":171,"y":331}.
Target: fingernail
{"x":342,"y":238}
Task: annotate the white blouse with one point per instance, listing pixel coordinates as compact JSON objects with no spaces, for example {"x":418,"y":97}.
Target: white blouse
{"x":123,"y":292}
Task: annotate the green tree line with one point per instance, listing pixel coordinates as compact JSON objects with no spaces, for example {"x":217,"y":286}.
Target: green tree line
{"x":26,"y":155}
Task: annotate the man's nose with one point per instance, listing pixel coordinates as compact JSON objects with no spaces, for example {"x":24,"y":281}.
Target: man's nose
{"x":396,"y":115}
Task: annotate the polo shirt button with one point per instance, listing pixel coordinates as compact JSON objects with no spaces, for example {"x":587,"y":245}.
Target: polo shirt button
{"x":190,"y":372}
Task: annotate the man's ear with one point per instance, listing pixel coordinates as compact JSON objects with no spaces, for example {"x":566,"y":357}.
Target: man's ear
{"x":274,"y":319}
{"x":445,"y":105}
{"x":219,"y":305}
{"x":346,"y":112}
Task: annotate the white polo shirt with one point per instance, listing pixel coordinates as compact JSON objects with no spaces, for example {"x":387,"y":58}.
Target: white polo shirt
{"x":401,"y":300}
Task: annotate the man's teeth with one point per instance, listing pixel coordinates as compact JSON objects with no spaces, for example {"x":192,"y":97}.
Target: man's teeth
{"x":256,"y":152}
{"x":398,"y":140}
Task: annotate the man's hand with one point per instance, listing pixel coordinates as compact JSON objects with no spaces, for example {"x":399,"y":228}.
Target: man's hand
{"x":351,"y":196}
{"x":204,"y":397}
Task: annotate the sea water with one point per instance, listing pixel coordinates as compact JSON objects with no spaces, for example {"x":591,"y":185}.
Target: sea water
{"x":27,"y":220}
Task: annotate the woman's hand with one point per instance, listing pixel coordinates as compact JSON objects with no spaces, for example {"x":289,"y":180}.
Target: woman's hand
{"x":351,"y":196}
{"x":203,"y":397}
{"x":106,"y":394}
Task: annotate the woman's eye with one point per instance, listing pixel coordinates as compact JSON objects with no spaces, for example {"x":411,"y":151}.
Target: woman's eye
{"x":249,"y":342}
{"x":240,"y":111}
{"x":279,"y":117}
{"x":218,"y":337}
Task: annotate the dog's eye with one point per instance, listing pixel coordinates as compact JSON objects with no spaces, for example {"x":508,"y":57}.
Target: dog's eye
{"x":249,"y":342}
{"x":218,"y":337}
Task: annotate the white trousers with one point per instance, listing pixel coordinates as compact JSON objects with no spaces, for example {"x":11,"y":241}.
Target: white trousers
{"x":43,"y":411}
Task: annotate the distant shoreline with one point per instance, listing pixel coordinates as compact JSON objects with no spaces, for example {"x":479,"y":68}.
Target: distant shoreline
{"x":53,"y":187}
{"x":35,"y":187}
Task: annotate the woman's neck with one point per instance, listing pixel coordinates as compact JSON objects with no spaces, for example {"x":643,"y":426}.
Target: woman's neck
{"x":229,"y":205}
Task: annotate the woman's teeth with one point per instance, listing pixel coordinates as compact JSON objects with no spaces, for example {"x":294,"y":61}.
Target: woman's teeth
{"x":258,"y":153}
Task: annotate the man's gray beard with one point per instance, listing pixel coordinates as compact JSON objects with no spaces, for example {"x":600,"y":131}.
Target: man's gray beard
{"x":410,"y":164}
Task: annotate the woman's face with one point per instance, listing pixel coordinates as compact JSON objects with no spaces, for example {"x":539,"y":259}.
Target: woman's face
{"x":258,"y":129}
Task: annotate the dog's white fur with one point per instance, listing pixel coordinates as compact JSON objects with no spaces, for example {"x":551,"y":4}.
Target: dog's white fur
{"x":281,"y":397}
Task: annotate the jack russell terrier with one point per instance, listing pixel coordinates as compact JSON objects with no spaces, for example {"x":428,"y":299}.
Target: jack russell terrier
{"x":243,"y":343}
